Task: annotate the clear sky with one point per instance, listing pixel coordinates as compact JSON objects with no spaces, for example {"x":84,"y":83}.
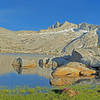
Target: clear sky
{"x":40,"y":14}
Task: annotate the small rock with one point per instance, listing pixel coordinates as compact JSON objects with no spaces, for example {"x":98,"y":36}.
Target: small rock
{"x":19,"y":64}
{"x":69,"y":92}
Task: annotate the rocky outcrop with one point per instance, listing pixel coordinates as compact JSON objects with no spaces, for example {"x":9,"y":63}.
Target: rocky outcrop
{"x":48,"y":63}
{"x":90,"y":56}
{"x":65,"y":25}
{"x":86,"y":26}
{"x":57,"y":25}
{"x":85,"y":49}
{"x":86,"y":40}
{"x":19,"y":64}
{"x":71,"y":72}
{"x":53,"y":62}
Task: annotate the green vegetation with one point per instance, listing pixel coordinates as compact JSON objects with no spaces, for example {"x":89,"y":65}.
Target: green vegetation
{"x":85,"y":92}
{"x":98,"y":46}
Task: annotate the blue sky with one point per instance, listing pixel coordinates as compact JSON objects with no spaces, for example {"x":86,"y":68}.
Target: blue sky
{"x":40,"y":14}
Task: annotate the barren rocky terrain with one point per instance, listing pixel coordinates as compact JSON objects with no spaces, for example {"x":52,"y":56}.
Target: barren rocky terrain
{"x":50,"y":41}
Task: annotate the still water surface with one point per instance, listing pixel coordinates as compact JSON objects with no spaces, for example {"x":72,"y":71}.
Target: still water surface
{"x":10,"y":79}
{"x":13,"y":80}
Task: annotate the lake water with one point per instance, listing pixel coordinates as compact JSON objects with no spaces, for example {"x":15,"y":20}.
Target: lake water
{"x":10,"y":79}
{"x":31,"y":78}
{"x":13,"y":80}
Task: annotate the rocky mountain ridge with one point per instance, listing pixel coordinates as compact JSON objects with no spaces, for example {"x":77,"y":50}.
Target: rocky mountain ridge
{"x":49,"y":41}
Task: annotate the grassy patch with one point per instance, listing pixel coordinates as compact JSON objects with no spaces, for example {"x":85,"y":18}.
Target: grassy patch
{"x":85,"y":92}
{"x":98,"y":46}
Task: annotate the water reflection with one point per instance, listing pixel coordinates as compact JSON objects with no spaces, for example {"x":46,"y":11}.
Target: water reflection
{"x":24,"y":54}
{"x":29,"y":78}
{"x":13,"y":80}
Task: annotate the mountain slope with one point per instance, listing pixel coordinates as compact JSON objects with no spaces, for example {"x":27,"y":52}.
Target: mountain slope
{"x":50,"y":41}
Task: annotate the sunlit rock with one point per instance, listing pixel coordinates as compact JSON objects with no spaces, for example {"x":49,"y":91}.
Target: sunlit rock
{"x":71,"y":72}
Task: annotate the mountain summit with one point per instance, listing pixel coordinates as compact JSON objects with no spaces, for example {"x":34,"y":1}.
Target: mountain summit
{"x":48,"y":41}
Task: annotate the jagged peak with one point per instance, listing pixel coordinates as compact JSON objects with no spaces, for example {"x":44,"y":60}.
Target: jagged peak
{"x":63,"y":26}
{"x":86,"y":26}
{"x":60,"y":26}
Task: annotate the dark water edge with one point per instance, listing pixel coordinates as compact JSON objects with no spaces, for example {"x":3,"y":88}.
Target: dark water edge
{"x":25,"y":54}
{"x":13,"y":80}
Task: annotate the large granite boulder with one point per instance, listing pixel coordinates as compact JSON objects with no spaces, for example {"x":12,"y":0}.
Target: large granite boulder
{"x":71,"y":72}
{"x":90,"y":56}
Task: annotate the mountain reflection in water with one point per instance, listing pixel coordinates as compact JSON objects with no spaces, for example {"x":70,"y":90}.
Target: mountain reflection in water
{"x":12,"y":80}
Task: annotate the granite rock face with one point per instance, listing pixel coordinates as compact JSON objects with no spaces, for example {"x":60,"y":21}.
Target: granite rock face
{"x":86,"y":40}
{"x":86,"y":26}
{"x":84,"y":48}
{"x":90,"y":56}
{"x":48,"y":41}
{"x":71,"y":72}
